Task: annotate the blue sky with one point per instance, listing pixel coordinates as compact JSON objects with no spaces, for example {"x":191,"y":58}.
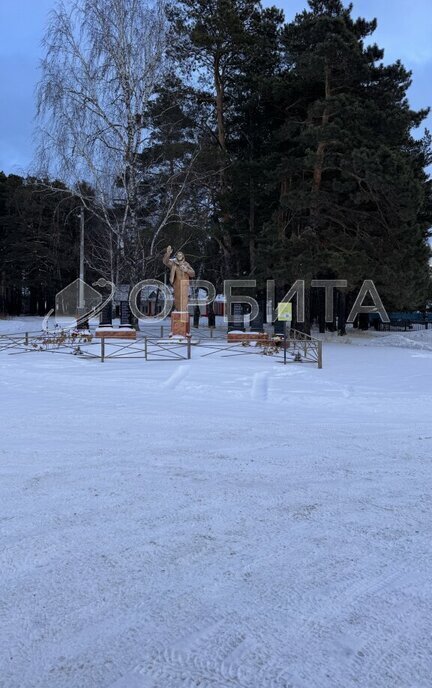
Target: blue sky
{"x":404,"y":31}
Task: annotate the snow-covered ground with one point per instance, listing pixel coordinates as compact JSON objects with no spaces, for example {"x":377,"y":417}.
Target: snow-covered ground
{"x":219,"y":522}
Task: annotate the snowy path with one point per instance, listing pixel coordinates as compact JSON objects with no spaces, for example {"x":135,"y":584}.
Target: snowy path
{"x":216,"y":523}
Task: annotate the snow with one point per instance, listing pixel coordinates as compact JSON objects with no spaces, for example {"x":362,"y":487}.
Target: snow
{"x":218,"y":522}
{"x":412,"y":339}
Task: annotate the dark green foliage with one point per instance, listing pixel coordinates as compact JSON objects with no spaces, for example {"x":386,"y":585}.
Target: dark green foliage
{"x":38,"y":244}
{"x":319,"y":173}
{"x":355,"y":202}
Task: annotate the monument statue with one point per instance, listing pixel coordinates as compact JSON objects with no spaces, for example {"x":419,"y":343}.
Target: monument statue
{"x":180,"y":273}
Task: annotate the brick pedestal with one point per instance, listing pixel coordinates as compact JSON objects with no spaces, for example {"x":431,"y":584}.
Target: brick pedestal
{"x":115,"y":333}
{"x":241,"y":337}
{"x":180,"y":324}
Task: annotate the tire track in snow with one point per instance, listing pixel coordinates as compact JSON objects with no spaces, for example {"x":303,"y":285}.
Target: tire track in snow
{"x":176,"y":378}
{"x":223,"y":667}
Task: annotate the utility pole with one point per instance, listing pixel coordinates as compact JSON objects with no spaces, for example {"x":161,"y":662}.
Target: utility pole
{"x":81,"y":303}
{"x":81,"y":266}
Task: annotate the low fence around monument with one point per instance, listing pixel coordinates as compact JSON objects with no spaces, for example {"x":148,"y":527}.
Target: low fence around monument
{"x":298,"y":347}
{"x":10,"y":341}
{"x":53,"y":342}
{"x":148,"y":348}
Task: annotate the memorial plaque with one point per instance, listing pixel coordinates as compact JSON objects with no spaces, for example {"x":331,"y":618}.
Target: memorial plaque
{"x":257,"y":324}
{"x":125,"y":314}
{"x":278,"y":327}
{"x":236,"y":318}
{"x":106,"y":316}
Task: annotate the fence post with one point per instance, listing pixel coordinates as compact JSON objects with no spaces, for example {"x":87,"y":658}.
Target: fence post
{"x":145,"y":348}
{"x":102,"y":349}
{"x":26,"y":339}
{"x":161,"y":332}
{"x":320,"y":354}
{"x":189,"y":346}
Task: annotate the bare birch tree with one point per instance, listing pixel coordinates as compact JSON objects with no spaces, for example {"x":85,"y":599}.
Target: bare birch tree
{"x":104,"y":60}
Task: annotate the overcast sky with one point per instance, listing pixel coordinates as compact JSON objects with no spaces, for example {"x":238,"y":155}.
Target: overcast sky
{"x":404,"y":31}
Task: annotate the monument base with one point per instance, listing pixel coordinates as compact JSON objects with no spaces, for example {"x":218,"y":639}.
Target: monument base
{"x":115,"y":333}
{"x":244,"y":337}
{"x":180,"y":324}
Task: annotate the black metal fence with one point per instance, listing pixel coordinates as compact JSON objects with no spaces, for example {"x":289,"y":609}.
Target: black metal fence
{"x":152,"y":346}
{"x":403,"y":322}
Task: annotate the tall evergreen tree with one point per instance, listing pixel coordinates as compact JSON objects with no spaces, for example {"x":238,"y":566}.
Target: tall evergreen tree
{"x":228,"y":49}
{"x":351,"y":176}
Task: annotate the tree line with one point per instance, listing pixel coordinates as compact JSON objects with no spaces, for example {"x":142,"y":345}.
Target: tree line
{"x":263,"y":148}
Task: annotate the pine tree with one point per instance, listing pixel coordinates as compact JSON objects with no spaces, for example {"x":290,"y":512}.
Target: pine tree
{"x":230,"y":48}
{"x":351,"y":176}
